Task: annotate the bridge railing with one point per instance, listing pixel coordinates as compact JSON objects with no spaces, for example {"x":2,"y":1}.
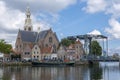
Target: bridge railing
{"x":98,"y":58}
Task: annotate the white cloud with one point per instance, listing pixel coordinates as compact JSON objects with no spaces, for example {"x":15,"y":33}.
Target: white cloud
{"x":94,"y":32}
{"x":111,"y":7}
{"x":113,"y":51}
{"x":114,"y":28}
{"x":12,"y":15}
{"x":10,"y":19}
{"x":94,"y":6}
{"x":42,"y":25}
{"x":47,"y":5}
{"x":9,"y":22}
{"x":13,"y":19}
{"x":114,"y":9}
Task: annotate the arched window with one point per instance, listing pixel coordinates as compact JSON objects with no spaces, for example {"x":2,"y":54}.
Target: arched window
{"x":29,"y":29}
{"x":16,"y":46}
{"x":46,"y":45}
{"x":50,"y":39}
{"x":34,"y":57}
{"x":20,"y":46}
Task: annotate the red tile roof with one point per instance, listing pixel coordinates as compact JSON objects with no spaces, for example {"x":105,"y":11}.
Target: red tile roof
{"x":46,"y":50}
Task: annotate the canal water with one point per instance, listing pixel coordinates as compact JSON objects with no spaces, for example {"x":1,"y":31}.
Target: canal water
{"x":102,"y":71}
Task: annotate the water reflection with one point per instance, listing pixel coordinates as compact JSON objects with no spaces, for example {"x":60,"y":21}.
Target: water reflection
{"x":111,"y":71}
{"x":95,"y":72}
{"x":58,"y":73}
{"x":103,"y":71}
{"x":16,"y":73}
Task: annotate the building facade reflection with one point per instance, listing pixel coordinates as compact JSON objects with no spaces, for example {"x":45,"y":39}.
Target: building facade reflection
{"x":83,"y":72}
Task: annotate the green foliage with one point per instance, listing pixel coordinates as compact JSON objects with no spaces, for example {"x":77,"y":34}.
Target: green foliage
{"x":66,"y":42}
{"x":4,"y":47}
{"x":96,"y":48}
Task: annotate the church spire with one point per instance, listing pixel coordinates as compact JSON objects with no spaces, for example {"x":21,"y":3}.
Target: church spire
{"x":28,"y":24}
{"x":28,"y":12}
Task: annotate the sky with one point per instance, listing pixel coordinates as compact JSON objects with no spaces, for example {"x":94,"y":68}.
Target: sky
{"x":65,"y":17}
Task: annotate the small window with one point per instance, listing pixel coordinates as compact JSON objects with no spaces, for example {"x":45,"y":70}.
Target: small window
{"x":35,"y":47}
{"x":20,"y":46}
{"x":37,"y":56}
{"x":27,"y":53}
{"x":34,"y":52}
{"x":76,"y":46}
{"x":46,"y":45}
{"x":16,"y":46}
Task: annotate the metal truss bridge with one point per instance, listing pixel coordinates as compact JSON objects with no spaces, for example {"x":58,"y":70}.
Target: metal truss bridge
{"x":87,"y":38}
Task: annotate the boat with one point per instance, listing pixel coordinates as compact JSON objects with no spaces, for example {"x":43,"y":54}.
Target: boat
{"x":36,"y":63}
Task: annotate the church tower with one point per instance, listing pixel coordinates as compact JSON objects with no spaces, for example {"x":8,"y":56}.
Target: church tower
{"x":28,"y":24}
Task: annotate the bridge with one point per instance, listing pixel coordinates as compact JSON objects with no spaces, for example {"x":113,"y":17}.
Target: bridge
{"x":87,"y":38}
{"x":94,"y":59}
{"x":103,"y":60}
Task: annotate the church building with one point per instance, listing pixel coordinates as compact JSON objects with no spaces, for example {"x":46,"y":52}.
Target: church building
{"x":35,"y":45}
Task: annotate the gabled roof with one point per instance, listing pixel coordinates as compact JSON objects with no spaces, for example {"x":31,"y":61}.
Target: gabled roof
{"x":42,"y":34}
{"x":32,"y":36}
{"x":28,"y":36}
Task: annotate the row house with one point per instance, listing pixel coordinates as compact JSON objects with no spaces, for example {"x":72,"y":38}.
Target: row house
{"x":73,"y":52}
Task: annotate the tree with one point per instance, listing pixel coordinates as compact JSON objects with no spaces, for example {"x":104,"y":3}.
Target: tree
{"x":4,"y":47}
{"x":96,"y":48}
{"x":66,"y":42}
